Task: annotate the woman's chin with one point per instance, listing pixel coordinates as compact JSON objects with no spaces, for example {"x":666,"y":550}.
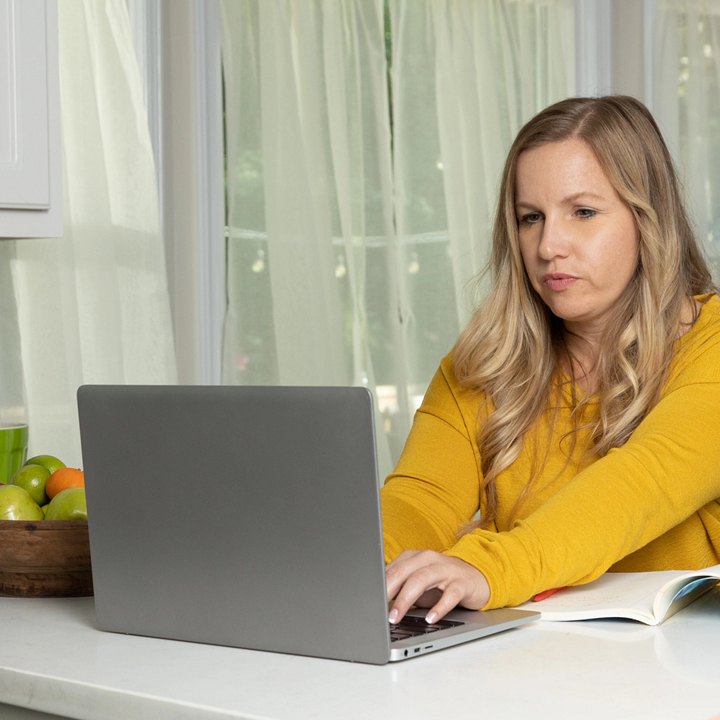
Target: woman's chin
{"x":570,"y":312}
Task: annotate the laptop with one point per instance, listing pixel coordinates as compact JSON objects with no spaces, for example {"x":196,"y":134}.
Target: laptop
{"x":248,"y":517}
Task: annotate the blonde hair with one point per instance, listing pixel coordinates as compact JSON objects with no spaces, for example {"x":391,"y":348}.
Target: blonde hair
{"x":513,"y":346}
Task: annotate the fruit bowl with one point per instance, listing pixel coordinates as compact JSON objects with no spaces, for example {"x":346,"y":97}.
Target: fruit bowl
{"x":45,"y":558}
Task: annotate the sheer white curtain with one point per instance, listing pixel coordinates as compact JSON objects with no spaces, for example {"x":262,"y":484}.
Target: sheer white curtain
{"x":310,"y":192}
{"x":91,"y":307}
{"x":466,"y":75}
{"x":364,"y":143}
{"x":686,"y":104}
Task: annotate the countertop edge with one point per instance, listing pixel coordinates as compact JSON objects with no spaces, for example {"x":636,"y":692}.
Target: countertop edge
{"x":85,"y":701}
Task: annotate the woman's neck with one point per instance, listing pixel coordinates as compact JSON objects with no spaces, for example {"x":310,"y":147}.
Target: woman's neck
{"x":581,"y":365}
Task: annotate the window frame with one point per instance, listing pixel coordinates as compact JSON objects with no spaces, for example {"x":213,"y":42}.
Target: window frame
{"x":198,"y":271}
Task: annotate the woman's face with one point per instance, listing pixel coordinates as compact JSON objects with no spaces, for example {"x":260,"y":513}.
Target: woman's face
{"x":578,"y":239}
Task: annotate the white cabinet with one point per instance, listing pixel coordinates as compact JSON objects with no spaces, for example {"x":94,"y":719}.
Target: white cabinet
{"x":30,"y":151}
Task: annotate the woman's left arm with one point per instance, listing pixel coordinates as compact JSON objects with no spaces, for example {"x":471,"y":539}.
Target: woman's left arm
{"x":667,"y":470}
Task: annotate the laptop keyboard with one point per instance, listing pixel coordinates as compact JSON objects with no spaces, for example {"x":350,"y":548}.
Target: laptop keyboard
{"x":410,"y":627}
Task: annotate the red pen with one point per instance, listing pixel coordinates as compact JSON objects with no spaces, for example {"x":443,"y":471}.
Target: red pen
{"x":547,"y":593}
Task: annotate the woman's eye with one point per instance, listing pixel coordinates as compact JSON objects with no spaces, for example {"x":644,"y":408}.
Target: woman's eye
{"x":530,"y":219}
{"x":586,"y":213}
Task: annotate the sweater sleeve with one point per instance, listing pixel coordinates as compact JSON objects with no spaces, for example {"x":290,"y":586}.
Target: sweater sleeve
{"x":435,"y":487}
{"x":667,"y":470}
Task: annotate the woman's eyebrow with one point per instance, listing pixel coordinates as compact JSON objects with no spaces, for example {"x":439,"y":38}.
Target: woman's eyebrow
{"x":525,"y":204}
{"x":566,"y":200}
{"x":571,"y":198}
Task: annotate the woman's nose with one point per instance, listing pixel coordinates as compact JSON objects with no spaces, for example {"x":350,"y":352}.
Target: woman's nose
{"x":554,"y":240}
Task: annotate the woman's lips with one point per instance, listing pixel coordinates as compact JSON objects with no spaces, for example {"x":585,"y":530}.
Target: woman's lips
{"x":558,"y":281}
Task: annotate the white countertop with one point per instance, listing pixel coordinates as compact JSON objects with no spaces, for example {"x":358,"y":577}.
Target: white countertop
{"x":53,"y":659}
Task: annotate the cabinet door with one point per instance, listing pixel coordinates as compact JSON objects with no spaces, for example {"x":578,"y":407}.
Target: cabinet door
{"x":30,"y":152}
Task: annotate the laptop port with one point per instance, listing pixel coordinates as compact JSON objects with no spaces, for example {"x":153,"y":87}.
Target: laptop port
{"x":406,"y":652}
{"x":417,"y":649}
{"x":428,"y":647}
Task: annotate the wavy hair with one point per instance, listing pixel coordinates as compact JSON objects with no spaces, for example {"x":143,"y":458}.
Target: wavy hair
{"x":513,"y":348}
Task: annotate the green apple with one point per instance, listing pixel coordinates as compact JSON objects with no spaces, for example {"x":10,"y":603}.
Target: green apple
{"x":16,"y":504}
{"x":68,"y":504}
{"x":33,"y":479}
{"x":49,"y":462}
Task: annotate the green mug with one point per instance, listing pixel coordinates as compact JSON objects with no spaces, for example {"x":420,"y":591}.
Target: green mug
{"x":13,"y":450}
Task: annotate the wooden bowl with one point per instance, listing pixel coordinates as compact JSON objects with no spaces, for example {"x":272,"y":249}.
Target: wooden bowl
{"x":45,"y":558}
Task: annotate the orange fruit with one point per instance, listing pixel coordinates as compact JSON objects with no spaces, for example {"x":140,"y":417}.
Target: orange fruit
{"x":64,"y":478}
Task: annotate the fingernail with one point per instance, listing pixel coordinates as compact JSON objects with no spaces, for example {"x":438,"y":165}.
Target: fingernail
{"x":393,"y":616}
{"x":431,"y":618}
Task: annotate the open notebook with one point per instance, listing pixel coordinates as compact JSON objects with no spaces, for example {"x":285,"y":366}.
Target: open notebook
{"x":649,"y":597}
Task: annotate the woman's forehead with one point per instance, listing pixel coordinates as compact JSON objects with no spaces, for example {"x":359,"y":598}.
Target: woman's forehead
{"x":560,"y":172}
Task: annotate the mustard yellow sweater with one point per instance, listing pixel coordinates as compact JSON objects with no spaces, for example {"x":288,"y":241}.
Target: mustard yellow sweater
{"x":652,"y":504}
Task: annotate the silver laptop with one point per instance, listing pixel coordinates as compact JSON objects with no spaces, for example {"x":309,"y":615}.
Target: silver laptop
{"x":249,"y":517}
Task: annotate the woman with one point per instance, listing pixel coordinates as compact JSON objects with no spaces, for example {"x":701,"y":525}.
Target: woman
{"x":579,"y":411}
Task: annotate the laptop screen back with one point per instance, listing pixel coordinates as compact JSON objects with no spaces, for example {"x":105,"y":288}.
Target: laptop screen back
{"x":243,"y":516}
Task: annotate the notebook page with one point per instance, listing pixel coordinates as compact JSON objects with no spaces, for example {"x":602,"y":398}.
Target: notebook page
{"x":612,"y":594}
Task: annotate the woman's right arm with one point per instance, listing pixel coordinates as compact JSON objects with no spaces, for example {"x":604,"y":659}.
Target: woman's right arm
{"x":435,"y":487}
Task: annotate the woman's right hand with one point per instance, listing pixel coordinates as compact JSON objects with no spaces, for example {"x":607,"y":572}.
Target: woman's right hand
{"x":430,"y":579}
